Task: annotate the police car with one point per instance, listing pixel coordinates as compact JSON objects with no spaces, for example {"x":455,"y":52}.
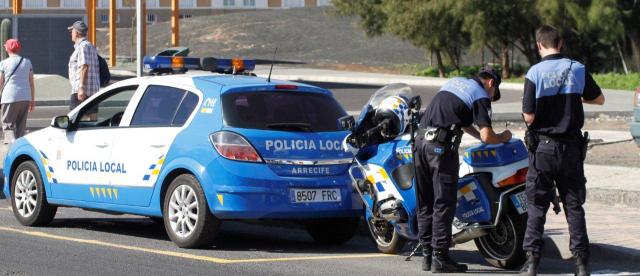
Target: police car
{"x":194,"y":150}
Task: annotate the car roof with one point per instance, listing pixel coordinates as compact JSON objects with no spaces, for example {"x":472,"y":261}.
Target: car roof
{"x":228,"y":83}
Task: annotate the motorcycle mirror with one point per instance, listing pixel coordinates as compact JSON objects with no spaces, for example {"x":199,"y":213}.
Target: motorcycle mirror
{"x":415,"y":103}
{"x":347,"y":122}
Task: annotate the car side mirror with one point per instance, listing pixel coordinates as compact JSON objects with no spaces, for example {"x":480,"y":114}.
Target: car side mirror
{"x":347,"y":122}
{"x":61,"y":122}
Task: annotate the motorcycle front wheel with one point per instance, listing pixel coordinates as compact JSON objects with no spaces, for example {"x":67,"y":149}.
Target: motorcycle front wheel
{"x":502,"y":246}
{"x":384,"y":235}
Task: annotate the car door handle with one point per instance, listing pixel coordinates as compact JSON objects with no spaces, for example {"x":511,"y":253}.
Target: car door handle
{"x":157,"y":145}
{"x":103,"y":145}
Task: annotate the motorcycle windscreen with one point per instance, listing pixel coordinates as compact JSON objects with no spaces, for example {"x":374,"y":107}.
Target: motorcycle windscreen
{"x":296,"y":133}
{"x":394,"y":89}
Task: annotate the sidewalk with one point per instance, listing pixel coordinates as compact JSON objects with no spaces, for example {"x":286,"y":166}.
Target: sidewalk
{"x":613,"y":234}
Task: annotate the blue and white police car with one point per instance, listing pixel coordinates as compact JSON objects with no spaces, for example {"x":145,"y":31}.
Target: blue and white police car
{"x":193,"y":149}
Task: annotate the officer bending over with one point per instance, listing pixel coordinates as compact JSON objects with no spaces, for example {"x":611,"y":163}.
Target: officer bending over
{"x":460,"y":103}
{"x":554,"y":92}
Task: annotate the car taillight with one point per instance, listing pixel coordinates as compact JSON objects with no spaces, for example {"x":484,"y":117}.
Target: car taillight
{"x":234,"y":147}
{"x":636,"y":99}
{"x":286,"y":87}
{"x":519,"y":177}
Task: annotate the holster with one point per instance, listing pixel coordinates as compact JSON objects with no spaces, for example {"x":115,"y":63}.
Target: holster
{"x":584,"y":140}
{"x":531,"y":140}
{"x":449,"y":138}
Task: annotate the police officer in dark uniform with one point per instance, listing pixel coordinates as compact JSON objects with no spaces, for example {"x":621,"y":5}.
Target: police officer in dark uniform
{"x":554,"y":92}
{"x":460,"y":103}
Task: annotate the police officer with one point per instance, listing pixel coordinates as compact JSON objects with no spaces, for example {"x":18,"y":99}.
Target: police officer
{"x":460,"y":103}
{"x":554,"y":92}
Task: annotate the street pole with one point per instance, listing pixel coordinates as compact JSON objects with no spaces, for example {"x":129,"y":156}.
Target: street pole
{"x":139,"y":22}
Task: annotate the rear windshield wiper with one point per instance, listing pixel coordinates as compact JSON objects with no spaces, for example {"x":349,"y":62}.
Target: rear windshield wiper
{"x":290,"y":126}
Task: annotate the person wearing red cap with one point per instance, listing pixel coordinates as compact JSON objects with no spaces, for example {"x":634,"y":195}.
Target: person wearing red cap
{"x":18,"y":90}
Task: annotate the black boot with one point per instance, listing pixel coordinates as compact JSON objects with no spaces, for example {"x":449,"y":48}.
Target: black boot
{"x":426,"y":261}
{"x":582,"y":264}
{"x":442,"y":263}
{"x":530,"y":268}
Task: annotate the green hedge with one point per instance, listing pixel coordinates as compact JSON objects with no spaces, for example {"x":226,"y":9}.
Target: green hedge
{"x":608,"y":81}
{"x":618,"y":81}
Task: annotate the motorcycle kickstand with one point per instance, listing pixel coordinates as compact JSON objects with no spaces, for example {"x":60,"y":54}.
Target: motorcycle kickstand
{"x":414,"y":251}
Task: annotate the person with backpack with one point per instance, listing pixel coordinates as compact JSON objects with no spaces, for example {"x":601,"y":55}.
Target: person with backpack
{"x":18,"y":89}
{"x":84,"y":68}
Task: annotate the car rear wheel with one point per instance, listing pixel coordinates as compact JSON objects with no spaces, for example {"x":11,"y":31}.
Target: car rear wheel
{"x":29,"y":200}
{"x":187,"y":218}
{"x":332,"y":230}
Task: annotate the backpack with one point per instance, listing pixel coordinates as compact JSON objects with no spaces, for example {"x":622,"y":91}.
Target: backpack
{"x":105,"y":76}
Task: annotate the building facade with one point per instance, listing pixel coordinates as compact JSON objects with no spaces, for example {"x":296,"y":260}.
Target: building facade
{"x":157,"y":10}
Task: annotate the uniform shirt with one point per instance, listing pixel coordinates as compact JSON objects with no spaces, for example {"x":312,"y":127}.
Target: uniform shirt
{"x":18,"y":88}
{"x":461,"y":102}
{"x":557,"y":107}
{"x":84,"y":53}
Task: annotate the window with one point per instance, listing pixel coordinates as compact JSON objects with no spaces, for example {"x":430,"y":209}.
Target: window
{"x":104,"y":4}
{"x":164,"y":106}
{"x":105,"y":19}
{"x":249,"y":3}
{"x":282,"y":111}
{"x":107,"y":110}
{"x":324,"y":3}
{"x":186,"y":4}
{"x":30,"y":4}
{"x":72,"y":4}
{"x":229,"y":3}
{"x":153,"y":4}
{"x":186,"y":108}
{"x":293,"y":3}
{"x":151,"y":18}
{"x":4,"y":4}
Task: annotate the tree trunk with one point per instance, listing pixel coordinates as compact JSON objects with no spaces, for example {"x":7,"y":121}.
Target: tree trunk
{"x":441,"y":69}
{"x":504,"y":59}
{"x":634,"y":38}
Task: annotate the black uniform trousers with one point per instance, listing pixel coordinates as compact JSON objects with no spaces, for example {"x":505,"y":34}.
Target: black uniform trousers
{"x":556,"y":161}
{"x":437,"y":169}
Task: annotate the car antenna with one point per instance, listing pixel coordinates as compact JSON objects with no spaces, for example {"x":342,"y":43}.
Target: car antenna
{"x":272,"y":62}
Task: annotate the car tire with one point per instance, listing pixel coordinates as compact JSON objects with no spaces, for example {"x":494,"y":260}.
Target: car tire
{"x":187,"y":218}
{"x":28,"y":197}
{"x":332,"y":230}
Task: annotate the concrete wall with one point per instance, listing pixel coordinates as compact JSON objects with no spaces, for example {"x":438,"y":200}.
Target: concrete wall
{"x":46,"y":42}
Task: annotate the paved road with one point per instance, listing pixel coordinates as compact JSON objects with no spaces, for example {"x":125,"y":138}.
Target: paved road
{"x":351,"y":96}
{"x":86,"y":243}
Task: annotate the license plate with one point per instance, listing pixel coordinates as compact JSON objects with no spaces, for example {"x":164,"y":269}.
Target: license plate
{"x":520,"y":201}
{"x":315,"y":195}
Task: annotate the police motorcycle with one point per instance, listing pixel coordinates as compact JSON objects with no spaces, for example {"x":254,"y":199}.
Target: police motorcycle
{"x":491,"y":208}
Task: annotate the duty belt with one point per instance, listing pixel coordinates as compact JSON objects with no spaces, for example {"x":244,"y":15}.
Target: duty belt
{"x":565,"y":137}
{"x":440,"y":134}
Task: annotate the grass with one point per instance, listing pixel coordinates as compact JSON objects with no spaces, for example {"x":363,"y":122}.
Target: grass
{"x":616,"y":81}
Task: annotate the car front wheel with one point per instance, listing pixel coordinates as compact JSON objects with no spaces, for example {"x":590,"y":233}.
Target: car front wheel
{"x":29,"y":200}
{"x":187,"y":218}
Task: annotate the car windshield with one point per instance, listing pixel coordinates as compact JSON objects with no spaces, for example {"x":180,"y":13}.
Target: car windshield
{"x":291,"y":111}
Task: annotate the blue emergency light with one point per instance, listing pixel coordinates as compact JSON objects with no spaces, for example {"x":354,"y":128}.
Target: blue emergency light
{"x":228,"y":66}
{"x":179,"y":64}
{"x":170,"y":64}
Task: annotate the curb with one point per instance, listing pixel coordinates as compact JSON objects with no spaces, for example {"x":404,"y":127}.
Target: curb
{"x":557,"y":247}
